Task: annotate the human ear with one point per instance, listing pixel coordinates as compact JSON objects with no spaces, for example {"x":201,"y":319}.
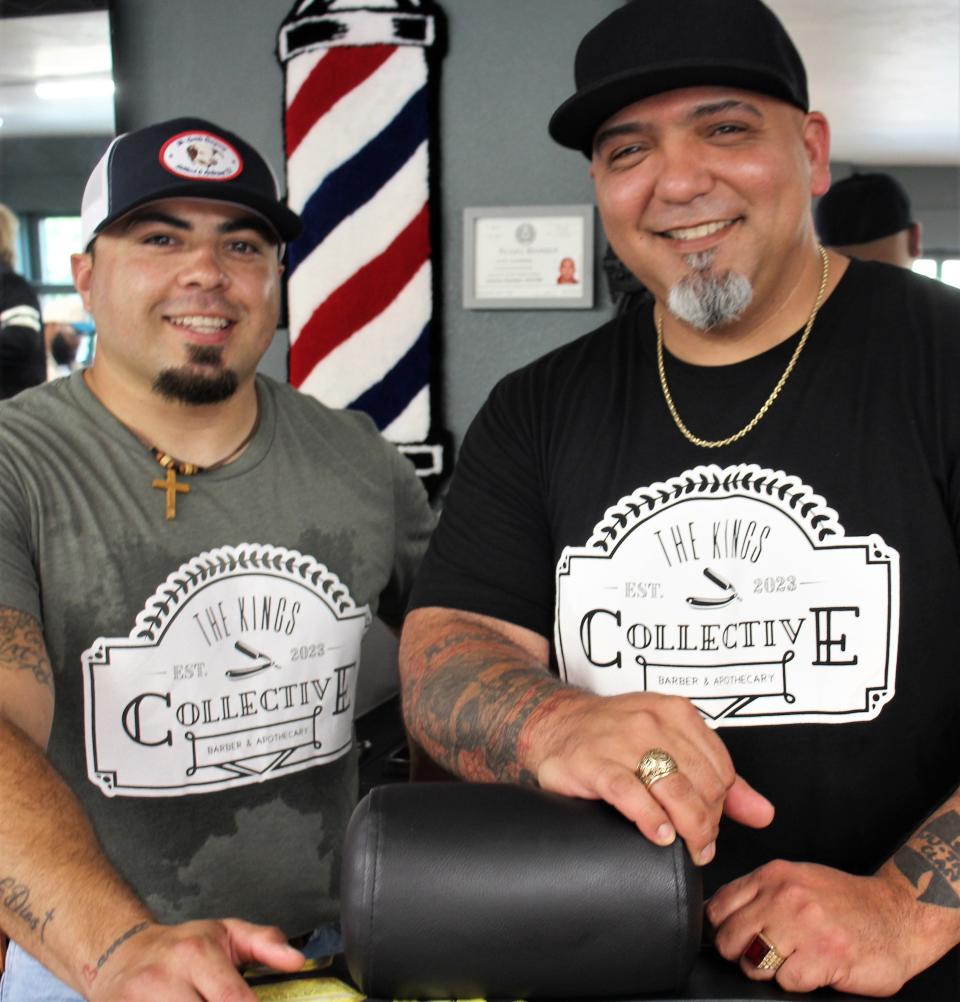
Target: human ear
{"x":816,"y":144}
{"x":81,"y":265}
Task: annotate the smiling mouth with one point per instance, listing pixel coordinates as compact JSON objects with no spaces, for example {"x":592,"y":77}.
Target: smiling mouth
{"x":201,"y":324}
{"x":698,"y":232}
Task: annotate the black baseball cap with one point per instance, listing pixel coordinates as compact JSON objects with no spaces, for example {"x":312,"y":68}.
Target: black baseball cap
{"x":861,"y":208}
{"x":647,"y":47}
{"x":182,"y":158}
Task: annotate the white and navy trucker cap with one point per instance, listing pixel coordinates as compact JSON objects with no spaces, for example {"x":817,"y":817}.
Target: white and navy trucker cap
{"x":182,"y":158}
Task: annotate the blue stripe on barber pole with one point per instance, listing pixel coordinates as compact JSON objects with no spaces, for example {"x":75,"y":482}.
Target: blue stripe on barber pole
{"x":386,"y":400}
{"x":357,"y":180}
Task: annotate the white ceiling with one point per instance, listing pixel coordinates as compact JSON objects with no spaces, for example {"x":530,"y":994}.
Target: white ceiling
{"x":886,"y":73}
{"x":34,"y":49}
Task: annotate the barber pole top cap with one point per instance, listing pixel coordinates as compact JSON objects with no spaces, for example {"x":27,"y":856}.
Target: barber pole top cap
{"x":321,"y":24}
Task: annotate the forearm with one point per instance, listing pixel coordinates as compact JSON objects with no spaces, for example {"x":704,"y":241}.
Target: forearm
{"x":59,"y":897}
{"x":927,"y":868}
{"x":473,"y":696}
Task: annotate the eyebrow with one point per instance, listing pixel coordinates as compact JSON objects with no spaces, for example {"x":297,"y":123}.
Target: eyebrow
{"x":245,"y":222}
{"x":694,"y":115}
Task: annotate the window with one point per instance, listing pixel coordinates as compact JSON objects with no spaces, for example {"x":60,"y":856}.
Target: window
{"x":46,"y":243}
{"x":946,"y":267}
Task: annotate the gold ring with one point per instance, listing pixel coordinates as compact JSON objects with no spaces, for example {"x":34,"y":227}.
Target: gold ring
{"x":654,"y":766}
{"x":763,"y":955}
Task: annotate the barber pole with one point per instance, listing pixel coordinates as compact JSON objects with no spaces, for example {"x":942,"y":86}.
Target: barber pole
{"x":360,"y":289}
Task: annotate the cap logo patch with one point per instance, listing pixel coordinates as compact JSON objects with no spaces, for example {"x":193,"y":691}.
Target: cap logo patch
{"x":201,"y":156}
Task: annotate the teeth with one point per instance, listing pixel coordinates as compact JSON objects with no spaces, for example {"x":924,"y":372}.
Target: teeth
{"x":199,"y":323}
{"x":696,"y":232}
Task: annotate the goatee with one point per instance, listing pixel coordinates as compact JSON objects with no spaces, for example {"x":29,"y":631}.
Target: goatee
{"x":705,"y":300}
{"x":187,"y":385}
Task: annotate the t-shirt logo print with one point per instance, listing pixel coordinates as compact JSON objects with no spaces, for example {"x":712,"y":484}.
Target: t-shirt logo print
{"x":241,"y":667}
{"x":737,"y":588}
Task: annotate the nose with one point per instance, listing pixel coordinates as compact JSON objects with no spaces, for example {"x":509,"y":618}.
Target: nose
{"x":684,"y":172}
{"x":203,"y":268}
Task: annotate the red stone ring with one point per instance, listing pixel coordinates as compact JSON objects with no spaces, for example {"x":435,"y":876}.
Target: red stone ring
{"x":763,"y":955}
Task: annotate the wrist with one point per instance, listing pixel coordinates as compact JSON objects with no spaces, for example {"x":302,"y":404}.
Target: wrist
{"x":557,"y":720}
{"x":922,"y":931}
{"x":94,"y":966}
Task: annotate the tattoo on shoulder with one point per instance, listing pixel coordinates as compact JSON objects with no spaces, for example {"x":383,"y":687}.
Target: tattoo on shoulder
{"x":22,"y":647}
{"x":90,"y":972}
{"x":931,"y":861}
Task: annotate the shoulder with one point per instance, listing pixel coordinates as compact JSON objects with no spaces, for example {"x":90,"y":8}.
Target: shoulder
{"x":584,"y":364}
{"x":327,"y":433}
{"x":38,"y":404}
{"x":293,"y":405}
{"x":15,"y":290}
{"x":898,"y":293}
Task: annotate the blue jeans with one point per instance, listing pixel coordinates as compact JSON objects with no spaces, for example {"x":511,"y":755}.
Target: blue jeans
{"x":26,"y":980}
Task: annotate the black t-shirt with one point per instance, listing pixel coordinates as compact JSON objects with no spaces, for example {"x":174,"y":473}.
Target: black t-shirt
{"x":802,"y":585}
{"x":23,"y":358}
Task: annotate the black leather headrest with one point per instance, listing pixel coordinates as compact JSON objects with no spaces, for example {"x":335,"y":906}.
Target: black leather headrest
{"x":461,"y":890}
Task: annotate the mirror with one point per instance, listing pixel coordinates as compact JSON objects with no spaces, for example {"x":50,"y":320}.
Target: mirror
{"x":56,"y":118}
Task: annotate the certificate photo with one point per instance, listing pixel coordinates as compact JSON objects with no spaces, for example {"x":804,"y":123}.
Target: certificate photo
{"x":528,"y":257}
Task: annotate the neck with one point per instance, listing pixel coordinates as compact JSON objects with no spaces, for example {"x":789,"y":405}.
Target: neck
{"x":200,"y":434}
{"x":763,"y":325}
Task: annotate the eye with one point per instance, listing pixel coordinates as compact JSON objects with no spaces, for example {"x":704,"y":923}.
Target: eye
{"x":245,"y":247}
{"x":158,"y":239}
{"x":622,"y":156}
{"x":727,"y":129}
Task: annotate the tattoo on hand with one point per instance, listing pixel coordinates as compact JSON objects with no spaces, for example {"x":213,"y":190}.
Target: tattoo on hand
{"x":90,"y":973}
{"x":15,"y":898}
{"x":21,"y":645}
{"x":934,"y":850}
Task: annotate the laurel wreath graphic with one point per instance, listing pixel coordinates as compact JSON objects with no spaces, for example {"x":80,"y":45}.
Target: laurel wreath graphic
{"x":226,"y":560}
{"x":810,"y":510}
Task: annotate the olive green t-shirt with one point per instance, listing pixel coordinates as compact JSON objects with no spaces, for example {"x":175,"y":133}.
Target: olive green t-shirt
{"x":206,"y":666}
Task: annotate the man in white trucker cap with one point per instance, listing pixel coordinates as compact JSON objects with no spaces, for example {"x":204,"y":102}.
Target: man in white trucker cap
{"x":190,"y":554}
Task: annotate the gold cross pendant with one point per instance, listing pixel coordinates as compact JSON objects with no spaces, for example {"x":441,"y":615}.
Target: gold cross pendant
{"x":172,"y":488}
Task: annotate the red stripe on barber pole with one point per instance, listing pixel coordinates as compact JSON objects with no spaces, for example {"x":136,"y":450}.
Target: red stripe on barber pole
{"x":339,"y":72}
{"x":365,"y":295}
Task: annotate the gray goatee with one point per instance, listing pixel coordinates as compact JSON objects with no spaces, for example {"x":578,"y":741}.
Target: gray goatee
{"x":705,"y":300}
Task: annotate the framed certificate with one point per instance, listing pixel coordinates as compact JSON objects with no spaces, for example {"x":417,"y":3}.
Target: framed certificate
{"x":526,"y":257}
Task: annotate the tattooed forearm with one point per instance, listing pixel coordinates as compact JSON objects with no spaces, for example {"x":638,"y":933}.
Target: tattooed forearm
{"x":474,"y":695}
{"x":934,"y":851}
{"x":21,"y":645}
{"x":90,"y":972}
{"x":15,"y":900}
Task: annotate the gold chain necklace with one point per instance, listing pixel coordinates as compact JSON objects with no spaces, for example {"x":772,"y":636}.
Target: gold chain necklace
{"x":719,"y":443}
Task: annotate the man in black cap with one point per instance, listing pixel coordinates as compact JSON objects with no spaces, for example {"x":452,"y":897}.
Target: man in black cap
{"x":868,"y":216}
{"x":190,"y":555}
{"x":728,"y":521}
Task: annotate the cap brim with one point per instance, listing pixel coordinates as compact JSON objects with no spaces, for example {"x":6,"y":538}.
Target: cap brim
{"x":576,"y":121}
{"x":284,"y":221}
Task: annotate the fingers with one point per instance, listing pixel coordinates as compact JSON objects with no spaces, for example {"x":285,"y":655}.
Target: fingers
{"x":594,"y":751}
{"x":673,"y":806}
{"x":258,"y":944}
{"x":747,"y":806}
